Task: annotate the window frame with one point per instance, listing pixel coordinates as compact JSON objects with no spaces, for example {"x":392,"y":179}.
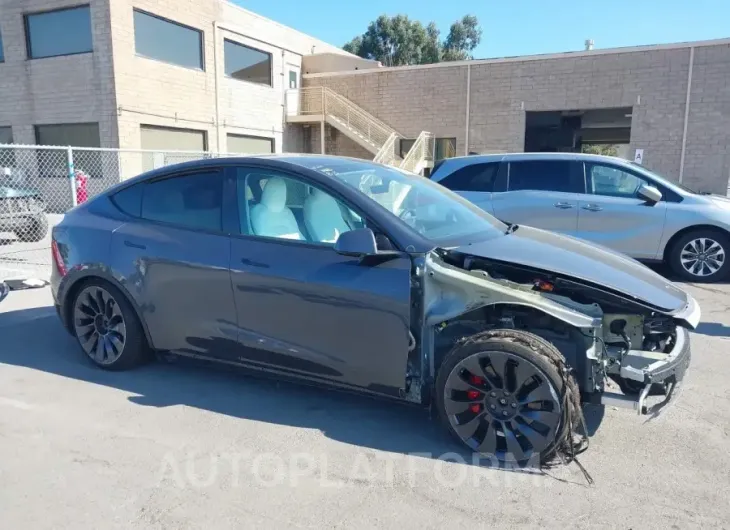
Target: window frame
{"x":26,"y":29}
{"x":574,"y":167}
{"x":497,"y":165}
{"x":232,"y":175}
{"x":668,"y":195}
{"x":588,"y":167}
{"x":225,"y":201}
{"x":271,"y":64}
{"x":201,"y":41}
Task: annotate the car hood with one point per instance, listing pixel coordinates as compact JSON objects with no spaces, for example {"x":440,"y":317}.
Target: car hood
{"x":584,"y":261}
{"x":7,"y":191}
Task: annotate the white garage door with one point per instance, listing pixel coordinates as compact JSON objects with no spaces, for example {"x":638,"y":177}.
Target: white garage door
{"x":164,"y":139}
{"x":167,"y":139}
{"x":249,"y":145}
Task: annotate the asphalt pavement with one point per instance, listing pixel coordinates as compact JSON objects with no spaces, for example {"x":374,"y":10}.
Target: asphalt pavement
{"x":193,"y":446}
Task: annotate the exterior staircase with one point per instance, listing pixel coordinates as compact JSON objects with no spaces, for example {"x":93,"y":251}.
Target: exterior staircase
{"x":324,"y":105}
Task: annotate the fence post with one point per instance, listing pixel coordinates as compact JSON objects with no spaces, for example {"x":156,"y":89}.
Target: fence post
{"x":71,"y":174}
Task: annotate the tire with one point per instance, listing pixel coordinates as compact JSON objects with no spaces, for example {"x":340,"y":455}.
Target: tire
{"x":700,"y":243}
{"x":107,"y":328}
{"x":506,"y":411}
{"x":35,"y":231}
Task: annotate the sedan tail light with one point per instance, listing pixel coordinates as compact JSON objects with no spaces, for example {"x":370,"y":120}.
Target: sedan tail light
{"x":58,"y":258}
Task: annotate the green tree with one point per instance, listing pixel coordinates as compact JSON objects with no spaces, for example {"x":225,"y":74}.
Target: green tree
{"x":398,"y":41}
{"x":600,"y":149}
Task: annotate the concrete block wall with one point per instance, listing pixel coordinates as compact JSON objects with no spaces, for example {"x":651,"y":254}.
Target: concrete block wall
{"x":335,"y":143}
{"x":653,"y":81}
{"x":155,"y":93}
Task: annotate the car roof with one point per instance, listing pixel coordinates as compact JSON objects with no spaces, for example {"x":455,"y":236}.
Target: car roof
{"x":506,"y":157}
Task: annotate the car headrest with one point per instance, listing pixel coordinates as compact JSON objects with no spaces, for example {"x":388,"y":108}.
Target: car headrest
{"x":274,"y":195}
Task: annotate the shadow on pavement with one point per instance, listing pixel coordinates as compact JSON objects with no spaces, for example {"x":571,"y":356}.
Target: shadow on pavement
{"x":34,"y":338}
{"x":713,"y":329}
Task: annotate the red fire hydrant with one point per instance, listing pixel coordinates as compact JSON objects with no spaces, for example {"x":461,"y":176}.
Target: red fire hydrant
{"x":82,"y":187}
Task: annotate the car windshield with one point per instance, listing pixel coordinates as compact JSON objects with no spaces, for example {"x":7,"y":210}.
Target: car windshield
{"x":433,"y":211}
{"x":663,"y":180}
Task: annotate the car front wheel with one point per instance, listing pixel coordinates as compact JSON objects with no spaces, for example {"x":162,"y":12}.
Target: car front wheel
{"x":700,"y":256}
{"x":503,"y":393}
{"x":107,"y":328}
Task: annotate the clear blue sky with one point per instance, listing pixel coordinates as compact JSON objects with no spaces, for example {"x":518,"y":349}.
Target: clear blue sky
{"x":516,"y":27}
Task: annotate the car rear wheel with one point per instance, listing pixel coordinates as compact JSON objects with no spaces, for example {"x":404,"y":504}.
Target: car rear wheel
{"x":502,"y":395}
{"x":107,"y":328}
{"x":700,"y":256}
{"x":34,"y":231}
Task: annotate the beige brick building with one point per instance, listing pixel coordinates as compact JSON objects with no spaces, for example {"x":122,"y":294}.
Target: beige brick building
{"x":674,"y":103}
{"x":141,"y":70}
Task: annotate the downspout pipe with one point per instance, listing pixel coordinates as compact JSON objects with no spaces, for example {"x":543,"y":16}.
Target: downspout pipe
{"x":468,"y":108}
{"x":686,"y":112}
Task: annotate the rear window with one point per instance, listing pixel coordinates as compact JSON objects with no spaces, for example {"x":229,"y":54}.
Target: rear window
{"x":546,"y":175}
{"x":474,"y":177}
{"x":189,"y":201}
{"x":129,"y":200}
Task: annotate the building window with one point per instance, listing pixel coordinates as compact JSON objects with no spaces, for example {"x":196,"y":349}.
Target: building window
{"x":166,"y":139}
{"x":249,"y":145}
{"x":445,"y":148}
{"x":2,"y":57}
{"x":59,"y":32}
{"x":247,"y":64}
{"x":293,"y":79}
{"x":7,"y":156}
{"x":167,"y":41}
{"x":54,"y":163}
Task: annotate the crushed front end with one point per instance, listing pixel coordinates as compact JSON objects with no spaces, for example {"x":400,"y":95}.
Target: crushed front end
{"x":609,"y":339}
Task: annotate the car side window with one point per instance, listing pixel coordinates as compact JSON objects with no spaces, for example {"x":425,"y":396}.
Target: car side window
{"x":546,"y":175}
{"x":274,"y":205}
{"x":188,"y":201}
{"x":612,"y":181}
{"x":474,"y":177}
{"x":129,"y":200}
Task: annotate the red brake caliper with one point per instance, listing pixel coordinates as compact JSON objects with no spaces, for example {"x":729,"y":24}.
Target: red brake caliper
{"x":474,"y":394}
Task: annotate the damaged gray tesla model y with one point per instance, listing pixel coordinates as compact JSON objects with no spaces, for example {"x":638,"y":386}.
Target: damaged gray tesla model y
{"x":363,"y":277}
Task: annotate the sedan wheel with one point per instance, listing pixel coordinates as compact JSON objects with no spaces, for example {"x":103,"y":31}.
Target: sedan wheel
{"x":702,"y":257}
{"x":503,"y":398}
{"x":502,"y":405}
{"x":107,"y":327}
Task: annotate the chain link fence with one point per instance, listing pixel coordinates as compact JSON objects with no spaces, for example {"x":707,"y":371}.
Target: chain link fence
{"x":38,"y":184}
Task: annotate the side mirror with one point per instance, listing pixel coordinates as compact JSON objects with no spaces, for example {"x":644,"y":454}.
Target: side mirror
{"x":358,"y":243}
{"x":649,"y":194}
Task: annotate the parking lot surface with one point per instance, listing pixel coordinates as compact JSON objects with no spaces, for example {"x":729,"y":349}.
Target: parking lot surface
{"x":191,"y":446}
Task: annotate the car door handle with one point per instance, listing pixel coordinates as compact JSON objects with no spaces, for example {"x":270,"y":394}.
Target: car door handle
{"x":129,"y":244}
{"x":592,"y":207}
{"x":564,"y":205}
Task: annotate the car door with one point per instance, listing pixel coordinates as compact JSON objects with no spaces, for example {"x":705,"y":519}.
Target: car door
{"x":174,"y":259}
{"x":541,"y":193}
{"x":613,"y":214}
{"x":305,"y":309}
{"x":475,"y":182}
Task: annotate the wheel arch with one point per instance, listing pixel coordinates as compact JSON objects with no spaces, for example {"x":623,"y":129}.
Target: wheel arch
{"x":673,"y":240}
{"x":469,"y":322}
{"x":79,"y":282}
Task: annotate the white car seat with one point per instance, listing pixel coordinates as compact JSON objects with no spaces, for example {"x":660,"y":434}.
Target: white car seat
{"x":271,"y":217}
{"x":323,"y":218}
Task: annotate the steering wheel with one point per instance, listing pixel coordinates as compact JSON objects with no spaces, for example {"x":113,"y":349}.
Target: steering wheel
{"x":408,"y":216}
